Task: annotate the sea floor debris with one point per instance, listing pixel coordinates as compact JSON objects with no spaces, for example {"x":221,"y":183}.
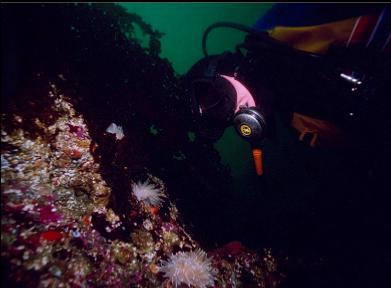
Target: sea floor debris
{"x":57,"y":222}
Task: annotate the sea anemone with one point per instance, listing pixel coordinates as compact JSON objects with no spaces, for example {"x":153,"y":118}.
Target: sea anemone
{"x":191,"y":268}
{"x":148,"y":193}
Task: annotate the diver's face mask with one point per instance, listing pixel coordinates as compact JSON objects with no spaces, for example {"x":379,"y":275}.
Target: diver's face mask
{"x":214,"y":104}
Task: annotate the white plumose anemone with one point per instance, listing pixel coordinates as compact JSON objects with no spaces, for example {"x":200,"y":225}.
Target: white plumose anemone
{"x":148,"y":193}
{"x":191,"y":268}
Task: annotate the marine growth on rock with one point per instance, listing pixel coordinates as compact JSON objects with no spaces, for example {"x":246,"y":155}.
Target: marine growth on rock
{"x":78,"y":199}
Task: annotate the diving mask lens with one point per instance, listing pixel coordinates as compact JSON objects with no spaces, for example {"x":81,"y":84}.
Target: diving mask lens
{"x":206,"y":96}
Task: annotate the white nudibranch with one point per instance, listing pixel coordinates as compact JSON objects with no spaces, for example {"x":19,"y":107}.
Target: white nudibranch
{"x":148,"y":193}
{"x":117,"y":130}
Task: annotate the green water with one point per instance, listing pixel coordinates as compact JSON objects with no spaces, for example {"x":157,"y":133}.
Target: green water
{"x":184,"y":25}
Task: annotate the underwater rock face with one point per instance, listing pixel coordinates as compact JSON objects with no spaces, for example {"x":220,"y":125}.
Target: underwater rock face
{"x":70,"y":215}
{"x":57,"y":225}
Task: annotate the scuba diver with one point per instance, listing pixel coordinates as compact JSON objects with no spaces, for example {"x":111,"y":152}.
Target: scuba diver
{"x":308,"y":90}
{"x":323,"y":65}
